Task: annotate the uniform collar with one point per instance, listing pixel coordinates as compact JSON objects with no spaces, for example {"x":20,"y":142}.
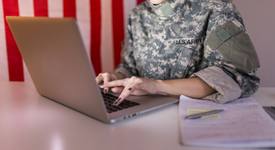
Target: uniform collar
{"x":167,"y":9}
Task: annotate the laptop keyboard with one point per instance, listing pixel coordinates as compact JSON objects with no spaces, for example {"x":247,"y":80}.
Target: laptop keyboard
{"x":110,"y":99}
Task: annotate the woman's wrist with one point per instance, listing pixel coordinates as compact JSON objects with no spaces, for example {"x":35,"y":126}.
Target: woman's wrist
{"x":191,"y":87}
{"x":160,"y":85}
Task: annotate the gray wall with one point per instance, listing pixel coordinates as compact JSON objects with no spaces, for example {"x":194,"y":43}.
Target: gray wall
{"x":259,"y":19}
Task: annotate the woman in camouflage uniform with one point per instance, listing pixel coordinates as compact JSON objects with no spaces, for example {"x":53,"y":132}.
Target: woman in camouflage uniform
{"x":196,"y":48}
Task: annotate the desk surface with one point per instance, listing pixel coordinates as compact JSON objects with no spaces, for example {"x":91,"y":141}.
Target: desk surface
{"x":31,"y":122}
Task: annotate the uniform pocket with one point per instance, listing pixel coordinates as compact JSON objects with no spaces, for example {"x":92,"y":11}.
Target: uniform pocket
{"x":240,"y":51}
{"x":235,"y":46}
{"x":183,"y":54}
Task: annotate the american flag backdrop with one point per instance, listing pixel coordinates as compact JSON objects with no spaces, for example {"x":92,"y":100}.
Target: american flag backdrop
{"x":102,"y":24}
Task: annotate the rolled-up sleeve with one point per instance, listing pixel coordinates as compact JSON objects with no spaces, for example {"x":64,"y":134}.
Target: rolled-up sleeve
{"x":227,"y":88}
{"x":230,"y":56}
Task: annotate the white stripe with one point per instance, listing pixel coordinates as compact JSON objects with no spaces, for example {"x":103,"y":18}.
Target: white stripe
{"x":4,"y":73}
{"x":128,"y":5}
{"x":84,"y":21}
{"x":107,"y":49}
{"x":26,"y":9}
{"x":55,"y":8}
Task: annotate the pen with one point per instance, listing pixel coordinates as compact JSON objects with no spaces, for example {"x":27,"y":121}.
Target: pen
{"x":197,"y":116}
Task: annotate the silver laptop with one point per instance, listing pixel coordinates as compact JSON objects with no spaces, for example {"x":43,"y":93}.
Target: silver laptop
{"x":61,"y":70}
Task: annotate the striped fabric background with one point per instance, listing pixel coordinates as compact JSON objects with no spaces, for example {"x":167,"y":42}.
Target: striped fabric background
{"x":102,"y":24}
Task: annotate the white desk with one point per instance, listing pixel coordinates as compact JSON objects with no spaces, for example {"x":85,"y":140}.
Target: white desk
{"x":31,"y":122}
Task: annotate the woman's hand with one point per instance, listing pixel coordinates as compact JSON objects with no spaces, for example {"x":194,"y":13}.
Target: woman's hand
{"x":104,"y":78}
{"x":134,"y":86}
{"x":191,"y":87}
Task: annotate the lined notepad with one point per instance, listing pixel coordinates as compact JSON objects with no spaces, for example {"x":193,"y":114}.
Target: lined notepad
{"x":244,"y":124}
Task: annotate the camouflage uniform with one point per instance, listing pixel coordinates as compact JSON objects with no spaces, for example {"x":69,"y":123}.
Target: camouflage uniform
{"x":192,"y":38}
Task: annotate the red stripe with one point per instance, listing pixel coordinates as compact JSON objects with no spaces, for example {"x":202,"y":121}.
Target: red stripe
{"x":95,"y":13}
{"x":118,"y":28}
{"x":15,"y":62}
{"x":40,"y":8}
{"x":140,"y":1}
{"x":69,"y":8}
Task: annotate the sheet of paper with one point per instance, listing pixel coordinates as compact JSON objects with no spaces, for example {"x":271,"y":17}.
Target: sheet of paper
{"x":244,"y":123}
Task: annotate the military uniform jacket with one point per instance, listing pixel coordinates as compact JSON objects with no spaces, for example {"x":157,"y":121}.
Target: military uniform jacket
{"x":192,"y":38}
